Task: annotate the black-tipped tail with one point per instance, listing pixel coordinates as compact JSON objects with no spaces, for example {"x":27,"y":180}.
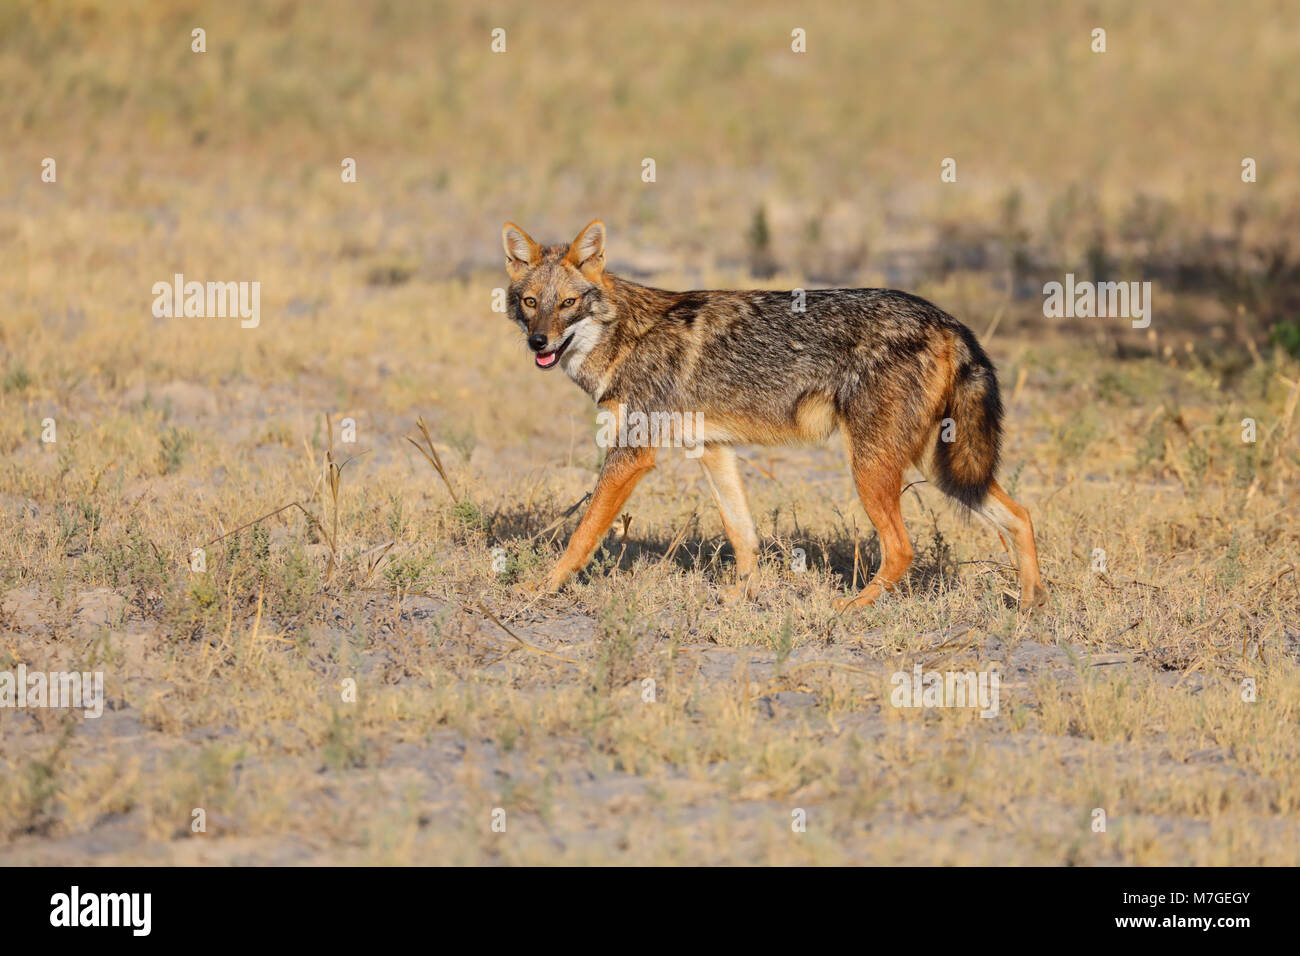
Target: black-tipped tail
{"x":970,"y":434}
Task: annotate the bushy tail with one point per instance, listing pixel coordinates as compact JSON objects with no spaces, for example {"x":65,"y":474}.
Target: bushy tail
{"x":970,"y":436}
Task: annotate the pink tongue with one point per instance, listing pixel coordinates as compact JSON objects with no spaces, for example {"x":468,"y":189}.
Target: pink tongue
{"x":546,"y":361}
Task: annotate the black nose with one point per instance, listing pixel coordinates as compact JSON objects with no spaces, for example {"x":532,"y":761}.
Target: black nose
{"x":537,"y":341}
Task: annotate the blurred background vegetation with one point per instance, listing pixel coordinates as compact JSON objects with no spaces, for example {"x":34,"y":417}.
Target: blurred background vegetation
{"x":819,"y":168}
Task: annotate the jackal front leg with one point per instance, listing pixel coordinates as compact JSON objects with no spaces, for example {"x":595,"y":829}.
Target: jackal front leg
{"x":720,"y":469}
{"x":623,"y":469}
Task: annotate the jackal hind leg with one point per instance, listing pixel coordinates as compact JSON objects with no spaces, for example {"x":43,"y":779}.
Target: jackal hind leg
{"x":879,"y":481}
{"x":1012,"y":520}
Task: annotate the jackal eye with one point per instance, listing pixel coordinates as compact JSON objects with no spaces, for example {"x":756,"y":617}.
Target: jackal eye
{"x":567,"y":302}
{"x":530,"y":302}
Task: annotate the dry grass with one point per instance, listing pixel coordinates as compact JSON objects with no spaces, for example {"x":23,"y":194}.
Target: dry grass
{"x":226,"y":688}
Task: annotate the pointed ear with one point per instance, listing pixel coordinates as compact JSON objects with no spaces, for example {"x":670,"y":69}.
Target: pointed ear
{"x":521,"y":252}
{"x":587,"y":252}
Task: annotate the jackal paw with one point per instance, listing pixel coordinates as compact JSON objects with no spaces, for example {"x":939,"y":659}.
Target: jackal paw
{"x":743,"y":590}
{"x":864,"y":598}
{"x":1033,"y":599}
{"x":551,"y":585}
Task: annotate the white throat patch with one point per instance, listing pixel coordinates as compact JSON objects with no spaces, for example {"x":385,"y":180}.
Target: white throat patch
{"x":583,"y":339}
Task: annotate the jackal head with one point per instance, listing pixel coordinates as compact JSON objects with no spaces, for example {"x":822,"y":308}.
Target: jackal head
{"x":555,"y":292}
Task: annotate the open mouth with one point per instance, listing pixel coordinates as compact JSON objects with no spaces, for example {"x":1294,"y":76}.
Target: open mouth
{"x":548,"y":359}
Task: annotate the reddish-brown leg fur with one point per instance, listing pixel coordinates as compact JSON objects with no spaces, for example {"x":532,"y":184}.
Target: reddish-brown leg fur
{"x":624,"y":467}
{"x":1008,"y":517}
{"x":880,"y":486}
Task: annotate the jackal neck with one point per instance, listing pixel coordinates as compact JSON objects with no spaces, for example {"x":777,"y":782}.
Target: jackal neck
{"x":615,"y":355}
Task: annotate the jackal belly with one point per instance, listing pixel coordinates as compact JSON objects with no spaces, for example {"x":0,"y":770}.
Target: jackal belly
{"x":768,"y":420}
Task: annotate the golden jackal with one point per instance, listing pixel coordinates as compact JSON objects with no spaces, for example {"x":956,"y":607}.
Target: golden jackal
{"x":905,"y":382}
